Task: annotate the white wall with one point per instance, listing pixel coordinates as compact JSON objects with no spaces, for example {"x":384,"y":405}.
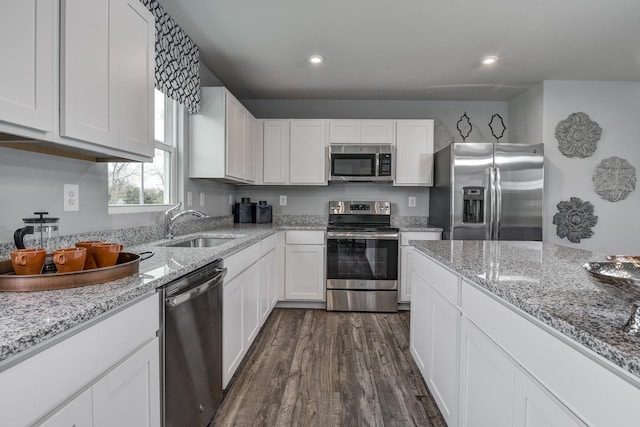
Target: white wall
{"x":525,"y":116}
{"x":615,"y":106}
{"x":307,"y":200}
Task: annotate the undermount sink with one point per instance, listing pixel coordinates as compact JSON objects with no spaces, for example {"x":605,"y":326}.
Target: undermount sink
{"x":200,"y":242}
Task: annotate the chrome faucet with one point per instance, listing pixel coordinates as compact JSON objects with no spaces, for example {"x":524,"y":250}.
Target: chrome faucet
{"x":170,"y":218}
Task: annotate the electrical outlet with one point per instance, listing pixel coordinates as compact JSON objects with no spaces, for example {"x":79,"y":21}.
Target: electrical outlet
{"x":189,"y":198}
{"x":71,"y":197}
{"x":412,"y":201}
{"x":283,"y":200}
{"x":201,"y":198}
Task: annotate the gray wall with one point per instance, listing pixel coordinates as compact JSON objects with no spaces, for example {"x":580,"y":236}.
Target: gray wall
{"x":525,"y":116}
{"x":615,"y":106}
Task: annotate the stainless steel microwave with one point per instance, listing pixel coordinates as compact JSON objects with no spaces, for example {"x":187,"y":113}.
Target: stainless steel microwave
{"x":361,"y":163}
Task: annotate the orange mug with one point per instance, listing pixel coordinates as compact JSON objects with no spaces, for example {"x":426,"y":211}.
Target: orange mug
{"x":106,"y":253}
{"x":69,"y":259}
{"x":28,"y":261}
{"x":90,"y":262}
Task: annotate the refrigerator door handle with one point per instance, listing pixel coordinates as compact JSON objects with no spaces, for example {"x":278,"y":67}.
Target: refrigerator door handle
{"x":492,"y":203}
{"x":498,"y":211}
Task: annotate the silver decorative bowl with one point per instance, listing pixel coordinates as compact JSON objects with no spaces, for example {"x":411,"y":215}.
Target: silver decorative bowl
{"x":622,"y":280}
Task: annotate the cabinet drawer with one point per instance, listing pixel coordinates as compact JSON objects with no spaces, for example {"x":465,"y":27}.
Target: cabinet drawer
{"x":304,"y":237}
{"x":268,"y":244}
{"x":42,"y":382}
{"x":240,"y":261}
{"x":405,"y":236}
{"x":441,"y":279}
{"x":558,"y":363}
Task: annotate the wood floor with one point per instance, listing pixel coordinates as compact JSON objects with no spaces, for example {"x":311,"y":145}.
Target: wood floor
{"x":319,"y":368}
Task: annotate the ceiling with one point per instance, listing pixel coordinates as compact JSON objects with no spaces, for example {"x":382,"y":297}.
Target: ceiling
{"x":410,"y":49}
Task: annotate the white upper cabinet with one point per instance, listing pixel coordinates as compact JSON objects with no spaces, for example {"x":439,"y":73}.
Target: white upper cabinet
{"x":308,"y":152}
{"x":27,"y":47}
{"x":275,"y":151}
{"x":361,"y":132}
{"x":414,"y":152}
{"x":106,"y":74}
{"x":222,"y":138}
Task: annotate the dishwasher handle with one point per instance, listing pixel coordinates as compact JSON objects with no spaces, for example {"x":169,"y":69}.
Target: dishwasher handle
{"x":176,"y":300}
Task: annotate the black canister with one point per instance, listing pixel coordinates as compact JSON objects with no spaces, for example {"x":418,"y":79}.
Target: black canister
{"x":245,"y":211}
{"x":263,"y":213}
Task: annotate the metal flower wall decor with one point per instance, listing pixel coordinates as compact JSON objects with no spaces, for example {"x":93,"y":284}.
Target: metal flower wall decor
{"x":575,"y":219}
{"x":614,"y":179}
{"x":578,"y":135}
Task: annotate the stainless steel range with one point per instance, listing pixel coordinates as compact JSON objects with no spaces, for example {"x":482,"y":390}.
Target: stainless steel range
{"x":362,"y":257}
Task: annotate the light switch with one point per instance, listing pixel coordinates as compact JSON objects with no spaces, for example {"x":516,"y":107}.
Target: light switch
{"x":283,"y":200}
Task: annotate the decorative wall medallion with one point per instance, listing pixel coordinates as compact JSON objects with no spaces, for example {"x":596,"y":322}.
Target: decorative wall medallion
{"x":577,"y":135}
{"x":614,"y":179}
{"x":464,"y":126}
{"x":575,"y":219}
{"x":497,"y":126}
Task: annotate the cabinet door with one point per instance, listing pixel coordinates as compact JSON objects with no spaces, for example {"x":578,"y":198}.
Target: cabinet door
{"x":133,"y":37}
{"x":435,"y":333}
{"x":87,"y":92}
{"x":251,"y":304}
{"x":414,"y":152}
{"x":234,"y":137}
{"x":308,"y":152}
{"x":130,"y":394}
{"x":344,"y":131}
{"x":275,"y":151}
{"x":78,"y":413}
{"x":406,"y":252}
{"x":536,"y":407}
{"x":486,"y":381}
{"x":26,"y":47}
{"x":232,"y":340}
{"x":268,"y":291}
{"x":304,"y":272}
{"x":378,"y":132}
{"x":249,"y":164}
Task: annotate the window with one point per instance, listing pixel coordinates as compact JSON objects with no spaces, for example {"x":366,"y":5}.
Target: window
{"x":136,"y":184}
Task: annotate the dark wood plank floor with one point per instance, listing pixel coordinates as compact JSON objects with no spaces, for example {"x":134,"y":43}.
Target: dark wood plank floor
{"x":319,"y":368}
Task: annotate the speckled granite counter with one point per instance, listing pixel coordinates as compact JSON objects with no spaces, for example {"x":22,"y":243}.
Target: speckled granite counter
{"x":30,"y":319}
{"x":548,"y":282}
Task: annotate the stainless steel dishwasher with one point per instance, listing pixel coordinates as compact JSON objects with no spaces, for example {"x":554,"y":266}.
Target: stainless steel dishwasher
{"x":192,"y":346}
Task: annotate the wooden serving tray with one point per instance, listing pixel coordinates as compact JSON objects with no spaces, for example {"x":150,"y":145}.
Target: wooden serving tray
{"x":126,"y":265}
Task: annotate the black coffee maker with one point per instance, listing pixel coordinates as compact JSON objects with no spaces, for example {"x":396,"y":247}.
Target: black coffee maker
{"x":245,"y":211}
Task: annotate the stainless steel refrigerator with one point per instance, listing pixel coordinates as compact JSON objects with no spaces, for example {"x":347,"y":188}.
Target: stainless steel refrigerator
{"x":485,"y":191}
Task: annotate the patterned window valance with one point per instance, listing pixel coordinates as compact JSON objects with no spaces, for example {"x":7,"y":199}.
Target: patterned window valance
{"x":177,"y":60}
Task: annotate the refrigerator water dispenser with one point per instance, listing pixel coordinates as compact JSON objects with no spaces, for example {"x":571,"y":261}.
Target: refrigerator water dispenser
{"x":473,"y":205}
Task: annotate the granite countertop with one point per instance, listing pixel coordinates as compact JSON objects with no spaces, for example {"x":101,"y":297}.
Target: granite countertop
{"x":31,"y":319}
{"x":548,"y":282}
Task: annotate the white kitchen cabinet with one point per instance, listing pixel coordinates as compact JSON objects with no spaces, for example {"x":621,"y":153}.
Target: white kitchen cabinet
{"x":434,"y":340}
{"x":268,"y":287}
{"x":106,"y":74}
{"x":221,"y":144}
{"x":27,"y":48}
{"x":80,"y":360}
{"x":308,"y":152}
{"x":130,"y":394}
{"x":233,"y":343}
{"x":251,"y":318}
{"x":304,"y":265}
{"x":406,"y":252}
{"x":78,"y":413}
{"x":361,"y":132}
{"x":414,"y":152}
{"x":487,"y":378}
{"x":275,"y":151}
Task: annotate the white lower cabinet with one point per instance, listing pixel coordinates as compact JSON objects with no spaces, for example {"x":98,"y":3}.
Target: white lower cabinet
{"x":487,"y":378}
{"x":233,"y":347}
{"x":304,"y":265}
{"x":268,"y":284}
{"x":406,"y":253}
{"x":435,"y":332}
{"x":251,"y":303}
{"x":78,"y":413}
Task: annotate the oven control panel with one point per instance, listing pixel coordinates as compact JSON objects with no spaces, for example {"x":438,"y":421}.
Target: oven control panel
{"x":359,"y":207}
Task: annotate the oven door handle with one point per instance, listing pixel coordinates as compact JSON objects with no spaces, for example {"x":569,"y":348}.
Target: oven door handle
{"x":360,"y":235}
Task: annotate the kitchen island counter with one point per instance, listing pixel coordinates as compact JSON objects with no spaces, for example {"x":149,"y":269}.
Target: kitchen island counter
{"x":548,"y":282}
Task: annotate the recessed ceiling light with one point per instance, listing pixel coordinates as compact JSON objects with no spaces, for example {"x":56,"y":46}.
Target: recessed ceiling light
{"x":316,"y":59}
{"x":488,"y":60}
